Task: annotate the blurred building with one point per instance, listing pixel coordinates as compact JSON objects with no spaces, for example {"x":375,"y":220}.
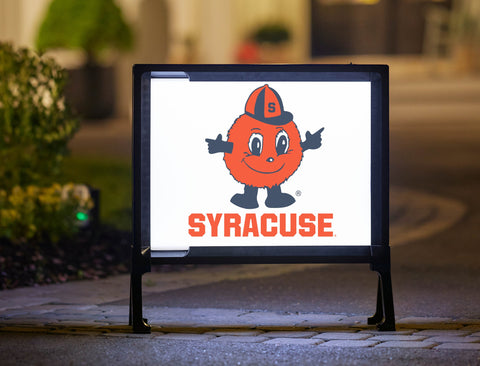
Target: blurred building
{"x":370,"y":26}
{"x":229,"y":31}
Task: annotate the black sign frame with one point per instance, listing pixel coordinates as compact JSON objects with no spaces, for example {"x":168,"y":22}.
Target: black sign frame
{"x":377,"y":254}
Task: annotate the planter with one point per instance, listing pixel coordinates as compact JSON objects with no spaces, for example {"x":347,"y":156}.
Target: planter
{"x":275,"y":53}
{"x":90,"y":90}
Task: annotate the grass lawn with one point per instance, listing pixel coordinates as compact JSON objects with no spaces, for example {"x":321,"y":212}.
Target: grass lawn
{"x":113,"y":177}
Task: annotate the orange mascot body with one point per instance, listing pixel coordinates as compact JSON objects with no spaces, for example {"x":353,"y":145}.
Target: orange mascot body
{"x":263,"y":149}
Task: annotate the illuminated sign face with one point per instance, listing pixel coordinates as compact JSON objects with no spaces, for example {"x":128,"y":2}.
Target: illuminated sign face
{"x":259,"y":163}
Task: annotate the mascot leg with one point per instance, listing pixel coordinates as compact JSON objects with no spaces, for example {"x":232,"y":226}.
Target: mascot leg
{"x":276,"y":198}
{"x":246,"y":200}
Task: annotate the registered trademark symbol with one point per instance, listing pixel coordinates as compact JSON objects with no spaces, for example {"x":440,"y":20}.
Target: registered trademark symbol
{"x":298,"y":193}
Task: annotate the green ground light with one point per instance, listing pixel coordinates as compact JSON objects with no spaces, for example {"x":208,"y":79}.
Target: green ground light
{"x":82,"y":216}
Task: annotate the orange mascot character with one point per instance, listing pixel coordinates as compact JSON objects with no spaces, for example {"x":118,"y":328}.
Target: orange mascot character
{"x":263,"y":149}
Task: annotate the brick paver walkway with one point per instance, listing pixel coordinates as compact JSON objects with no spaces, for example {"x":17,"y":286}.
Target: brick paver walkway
{"x":220,"y":325}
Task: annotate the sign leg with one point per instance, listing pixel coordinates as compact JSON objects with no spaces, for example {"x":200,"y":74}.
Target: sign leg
{"x":136,"y":319}
{"x":378,"y":316}
{"x":139,"y":266}
{"x":384,"y":316}
{"x":388,"y":323}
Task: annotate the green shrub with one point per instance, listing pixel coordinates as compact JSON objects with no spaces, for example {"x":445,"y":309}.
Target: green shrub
{"x":35,"y":123}
{"x":42,"y":215}
{"x":274,"y":33}
{"x":35,"y":127}
{"x":93,"y":26}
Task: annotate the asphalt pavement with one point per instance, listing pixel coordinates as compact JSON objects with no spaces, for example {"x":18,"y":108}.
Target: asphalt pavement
{"x":295,"y":314}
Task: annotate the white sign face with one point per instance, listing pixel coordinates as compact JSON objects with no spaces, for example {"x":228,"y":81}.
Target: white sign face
{"x":259,"y":163}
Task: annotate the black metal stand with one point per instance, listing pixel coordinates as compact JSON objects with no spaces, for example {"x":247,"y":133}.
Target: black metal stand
{"x":140,"y":266}
{"x":384,"y":316}
{"x":378,"y":256}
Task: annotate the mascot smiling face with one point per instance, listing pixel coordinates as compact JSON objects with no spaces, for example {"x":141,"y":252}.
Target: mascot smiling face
{"x":263,"y":155}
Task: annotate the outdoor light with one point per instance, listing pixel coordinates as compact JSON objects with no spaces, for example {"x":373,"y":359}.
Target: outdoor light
{"x":87,"y":219}
{"x":82,"y":216}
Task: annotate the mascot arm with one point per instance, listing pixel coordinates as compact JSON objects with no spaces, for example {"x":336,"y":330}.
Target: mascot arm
{"x":312,"y":141}
{"x":218,"y":145}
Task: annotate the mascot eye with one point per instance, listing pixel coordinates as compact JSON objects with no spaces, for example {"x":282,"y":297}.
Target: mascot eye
{"x":255,"y":144}
{"x":281,"y":142}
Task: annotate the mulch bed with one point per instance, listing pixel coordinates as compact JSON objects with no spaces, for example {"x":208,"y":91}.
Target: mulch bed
{"x":86,"y":256}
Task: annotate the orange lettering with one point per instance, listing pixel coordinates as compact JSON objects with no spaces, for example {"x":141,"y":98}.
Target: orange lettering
{"x":264,"y":225}
{"x":196,"y":223}
{"x":322,"y":224}
{"x":232,"y":221}
{"x":214,"y":223}
{"x":271,"y":224}
{"x":250,"y":225}
{"x":307,"y":225}
{"x":283,"y":225}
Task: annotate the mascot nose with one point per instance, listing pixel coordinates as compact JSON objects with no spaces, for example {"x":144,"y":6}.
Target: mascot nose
{"x":270,"y":160}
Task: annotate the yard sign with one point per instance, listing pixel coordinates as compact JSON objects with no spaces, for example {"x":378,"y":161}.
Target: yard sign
{"x":261,"y":164}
